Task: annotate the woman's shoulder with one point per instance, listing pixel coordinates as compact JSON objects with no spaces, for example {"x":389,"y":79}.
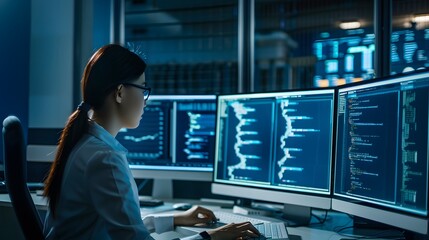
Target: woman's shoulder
{"x":94,"y":149}
{"x":92,"y":143}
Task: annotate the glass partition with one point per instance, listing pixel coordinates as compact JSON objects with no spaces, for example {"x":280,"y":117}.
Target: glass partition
{"x":410,"y":36}
{"x":301,"y":44}
{"x":190,"y":46}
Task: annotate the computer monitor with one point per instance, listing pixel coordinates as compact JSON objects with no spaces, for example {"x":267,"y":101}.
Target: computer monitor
{"x":381,"y":170}
{"x":175,"y":140}
{"x":276,"y":147}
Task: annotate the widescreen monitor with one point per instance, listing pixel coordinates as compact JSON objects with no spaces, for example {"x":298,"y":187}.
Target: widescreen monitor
{"x":275,"y":147}
{"x":175,"y":139}
{"x":381,"y":170}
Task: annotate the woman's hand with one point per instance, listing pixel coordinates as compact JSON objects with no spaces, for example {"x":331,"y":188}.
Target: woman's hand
{"x":199,"y":215}
{"x":234,"y":231}
{"x":193,"y":216}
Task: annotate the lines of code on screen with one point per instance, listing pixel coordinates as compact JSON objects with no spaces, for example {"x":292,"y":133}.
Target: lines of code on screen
{"x":173,"y":132}
{"x":279,"y":142}
{"x":382,"y":144}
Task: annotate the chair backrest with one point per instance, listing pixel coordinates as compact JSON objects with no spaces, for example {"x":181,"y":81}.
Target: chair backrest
{"x":15,"y":163}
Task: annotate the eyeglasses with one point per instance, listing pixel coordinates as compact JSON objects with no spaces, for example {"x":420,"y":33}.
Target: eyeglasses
{"x":146,"y":90}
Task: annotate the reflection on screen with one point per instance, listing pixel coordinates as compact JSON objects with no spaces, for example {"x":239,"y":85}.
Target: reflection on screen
{"x":348,"y":56}
{"x":275,"y":140}
{"x":382,"y":143}
{"x":176,"y":131}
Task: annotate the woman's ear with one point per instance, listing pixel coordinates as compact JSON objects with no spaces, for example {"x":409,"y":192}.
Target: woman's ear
{"x":119,"y":93}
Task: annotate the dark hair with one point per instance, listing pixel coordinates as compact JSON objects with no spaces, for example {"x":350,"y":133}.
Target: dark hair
{"x":109,"y":66}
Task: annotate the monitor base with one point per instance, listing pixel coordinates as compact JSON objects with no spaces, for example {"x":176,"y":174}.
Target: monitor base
{"x":162,"y":188}
{"x":296,"y":215}
{"x":293,"y":215}
{"x":363,"y":223}
{"x":250,"y":211}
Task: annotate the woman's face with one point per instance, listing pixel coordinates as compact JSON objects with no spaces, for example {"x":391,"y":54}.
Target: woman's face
{"x":134,"y":103}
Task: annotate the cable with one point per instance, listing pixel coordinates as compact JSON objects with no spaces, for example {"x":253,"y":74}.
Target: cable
{"x":321,"y":220}
{"x":142,"y":184}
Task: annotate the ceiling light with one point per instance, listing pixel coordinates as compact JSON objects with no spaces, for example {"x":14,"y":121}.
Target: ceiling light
{"x":350,"y":25}
{"x":421,"y":18}
{"x":407,"y":24}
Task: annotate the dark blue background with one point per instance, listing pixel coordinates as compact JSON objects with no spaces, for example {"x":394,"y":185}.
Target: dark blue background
{"x":14,"y":61}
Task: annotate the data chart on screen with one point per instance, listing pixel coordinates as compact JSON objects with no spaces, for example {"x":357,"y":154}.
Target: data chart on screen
{"x":382,"y":143}
{"x":175,"y":132}
{"x":150,"y":140}
{"x":277,"y":140}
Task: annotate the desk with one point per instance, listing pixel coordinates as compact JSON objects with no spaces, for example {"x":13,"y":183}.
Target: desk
{"x":10,"y":229}
{"x":313,"y":232}
{"x":9,"y":226}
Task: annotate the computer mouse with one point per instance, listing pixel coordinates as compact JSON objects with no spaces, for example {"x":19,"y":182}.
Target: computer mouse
{"x":182,"y":206}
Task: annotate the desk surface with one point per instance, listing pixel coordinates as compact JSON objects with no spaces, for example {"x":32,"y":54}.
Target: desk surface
{"x":39,"y":201}
{"x":314,"y":231}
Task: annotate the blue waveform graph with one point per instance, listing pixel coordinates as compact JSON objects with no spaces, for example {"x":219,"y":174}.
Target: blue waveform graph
{"x":302,"y":142}
{"x":249,"y":134}
{"x":149,"y":139}
{"x":140,"y":139}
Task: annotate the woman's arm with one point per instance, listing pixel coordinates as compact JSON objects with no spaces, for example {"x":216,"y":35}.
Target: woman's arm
{"x":114,"y":196}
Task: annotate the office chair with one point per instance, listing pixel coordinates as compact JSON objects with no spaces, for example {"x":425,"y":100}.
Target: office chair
{"x":15,"y":162}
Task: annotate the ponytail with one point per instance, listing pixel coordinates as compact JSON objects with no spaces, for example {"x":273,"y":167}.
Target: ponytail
{"x":110,"y":65}
{"x":76,"y":127}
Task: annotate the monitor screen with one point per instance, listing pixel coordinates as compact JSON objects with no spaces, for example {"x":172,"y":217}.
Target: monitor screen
{"x":382,"y":151}
{"x":344,"y":57}
{"x":278,"y":143}
{"x":347,"y":56}
{"x":177,"y":134}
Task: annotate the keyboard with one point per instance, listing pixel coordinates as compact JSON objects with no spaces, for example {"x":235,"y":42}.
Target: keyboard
{"x":272,"y":230}
{"x":268,"y":229}
{"x":228,"y":217}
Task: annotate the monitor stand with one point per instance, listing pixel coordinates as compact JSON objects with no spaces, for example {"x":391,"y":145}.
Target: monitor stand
{"x":162,"y":188}
{"x":245,"y":207}
{"x":296,"y":215}
{"x":248,"y":207}
{"x":363,"y":223}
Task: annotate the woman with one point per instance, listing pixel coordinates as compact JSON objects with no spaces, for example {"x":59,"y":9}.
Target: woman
{"x":90,"y":189}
